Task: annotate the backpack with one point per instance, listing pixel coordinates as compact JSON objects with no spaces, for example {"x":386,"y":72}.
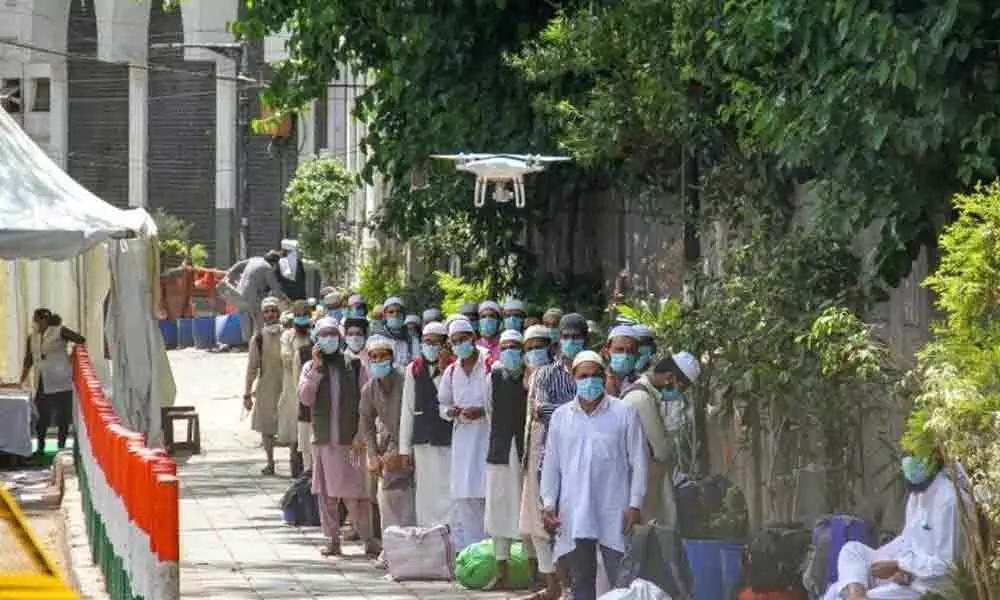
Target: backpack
{"x":828,"y":537}
{"x":298,"y":504}
{"x":710,"y":508}
{"x":774,"y":558}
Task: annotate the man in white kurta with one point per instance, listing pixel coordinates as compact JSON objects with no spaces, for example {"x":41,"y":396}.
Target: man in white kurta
{"x":424,"y":437}
{"x":462,"y":397}
{"x":593,"y":476}
{"x":917,"y":560}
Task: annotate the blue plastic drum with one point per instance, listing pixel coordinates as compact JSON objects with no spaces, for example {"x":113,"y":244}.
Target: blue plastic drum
{"x":228,"y":331}
{"x":204,"y":332}
{"x":185,"y":332}
{"x":168,"y":327}
{"x":716,"y":567}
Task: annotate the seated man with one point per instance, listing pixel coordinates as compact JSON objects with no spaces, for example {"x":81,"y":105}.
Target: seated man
{"x":919,"y":558}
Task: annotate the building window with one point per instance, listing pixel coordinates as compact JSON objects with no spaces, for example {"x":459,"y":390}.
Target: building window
{"x":10,"y":95}
{"x":42,"y":98}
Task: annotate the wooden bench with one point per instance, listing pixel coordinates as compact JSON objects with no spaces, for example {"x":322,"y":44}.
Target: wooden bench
{"x":187,"y":414}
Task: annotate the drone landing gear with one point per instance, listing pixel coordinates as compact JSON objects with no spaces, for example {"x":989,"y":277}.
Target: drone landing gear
{"x":501,"y":195}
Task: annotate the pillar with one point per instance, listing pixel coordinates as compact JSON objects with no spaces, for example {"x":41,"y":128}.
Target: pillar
{"x":307,"y":132}
{"x":138,"y":134}
{"x":226,"y":227}
{"x":58,"y":113}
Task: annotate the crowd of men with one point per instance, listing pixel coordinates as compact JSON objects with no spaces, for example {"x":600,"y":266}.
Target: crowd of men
{"x":499,"y":424}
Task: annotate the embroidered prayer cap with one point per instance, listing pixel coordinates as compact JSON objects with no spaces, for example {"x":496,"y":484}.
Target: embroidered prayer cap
{"x":327,"y":326}
{"x":489,"y":305}
{"x":513,"y":304}
{"x":574,"y":321}
{"x":412,"y":320}
{"x":588,"y":356}
{"x":379,"y":342}
{"x":511,"y":335}
{"x":432,"y":314}
{"x":688,"y":365}
{"x":393,"y":301}
{"x":623,"y":331}
{"x":269,"y":302}
{"x":355,"y":299}
{"x":460,"y":325}
{"x":435,"y":328}
{"x":537,"y":332}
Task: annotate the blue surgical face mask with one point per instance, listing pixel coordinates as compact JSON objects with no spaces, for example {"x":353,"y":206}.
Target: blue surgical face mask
{"x":488,"y":326}
{"x":357,"y":312}
{"x":335,"y":313}
{"x":671,"y":394}
{"x":512,"y":359}
{"x":590,"y":388}
{"x":538,"y":357}
{"x":302,"y":320}
{"x":623,"y":363}
{"x":554,"y":334}
{"x":380,"y":369}
{"x":513,"y":322}
{"x":328,"y":344}
{"x":917,"y":471}
{"x":645,"y":357}
{"x":430,"y":351}
{"x":570,"y":347}
{"x":355,"y":342}
{"x":395,"y":323}
{"x":465,"y":349}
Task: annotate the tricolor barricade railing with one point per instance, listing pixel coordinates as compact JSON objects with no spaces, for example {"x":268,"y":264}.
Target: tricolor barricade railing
{"x":130,"y":497}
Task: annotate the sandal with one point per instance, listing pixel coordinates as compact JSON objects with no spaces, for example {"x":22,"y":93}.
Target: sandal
{"x":268,"y":470}
{"x":331,"y":549}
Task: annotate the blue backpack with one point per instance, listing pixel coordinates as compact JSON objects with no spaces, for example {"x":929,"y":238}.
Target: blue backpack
{"x":829,"y":535}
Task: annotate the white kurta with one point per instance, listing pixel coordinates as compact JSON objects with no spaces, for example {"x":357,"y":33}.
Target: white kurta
{"x":593,"y":470}
{"x":927,"y":548}
{"x":432,"y":464}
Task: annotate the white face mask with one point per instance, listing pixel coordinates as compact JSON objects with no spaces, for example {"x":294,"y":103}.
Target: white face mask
{"x":355,"y":342}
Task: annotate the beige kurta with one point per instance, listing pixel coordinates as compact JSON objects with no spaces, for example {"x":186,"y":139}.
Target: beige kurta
{"x":265,"y":368}
{"x":288,"y":404}
{"x":659,"y":503}
{"x":531,"y":509}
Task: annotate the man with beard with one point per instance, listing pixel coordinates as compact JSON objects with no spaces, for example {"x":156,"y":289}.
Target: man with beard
{"x":265,"y":371}
{"x":293,"y":340}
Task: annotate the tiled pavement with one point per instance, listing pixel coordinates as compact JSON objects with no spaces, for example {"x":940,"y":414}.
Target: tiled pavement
{"x":234,"y":544}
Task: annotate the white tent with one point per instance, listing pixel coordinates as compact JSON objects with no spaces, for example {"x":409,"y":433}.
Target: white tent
{"x":46,"y":216}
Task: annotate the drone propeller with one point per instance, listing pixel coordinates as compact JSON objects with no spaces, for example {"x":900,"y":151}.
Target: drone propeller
{"x":530,"y":158}
{"x":461,"y":157}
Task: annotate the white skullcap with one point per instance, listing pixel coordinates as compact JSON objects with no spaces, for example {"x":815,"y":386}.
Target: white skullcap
{"x":269,"y":302}
{"x":355,"y":299}
{"x":537,"y":332}
{"x":331,"y":298}
{"x":289,"y":245}
{"x":642,"y":331}
{"x":513,"y":304}
{"x":327,"y":323}
{"x":623,"y":331}
{"x":688,"y":365}
{"x":435,"y":328}
{"x":394,"y":301}
{"x":449,"y":320}
{"x":488,"y":305}
{"x":587,"y":356}
{"x":379,"y":342}
{"x":460,"y":326}
{"x":511,"y":335}
{"x":412,"y":319}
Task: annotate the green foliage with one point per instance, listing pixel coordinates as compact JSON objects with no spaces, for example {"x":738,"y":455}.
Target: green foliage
{"x":381,"y":276}
{"x":457,"y":291}
{"x":316,"y":200}
{"x":174,"y":241}
{"x":582,"y":293}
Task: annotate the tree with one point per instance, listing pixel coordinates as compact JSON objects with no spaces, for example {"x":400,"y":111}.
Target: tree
{"x":174,"y":241}
{"x":317,"y":199}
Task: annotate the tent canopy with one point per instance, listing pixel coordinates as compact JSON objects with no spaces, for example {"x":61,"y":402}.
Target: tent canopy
{"x":44,"y":213}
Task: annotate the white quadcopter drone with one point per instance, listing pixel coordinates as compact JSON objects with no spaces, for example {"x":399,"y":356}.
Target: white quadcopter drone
{"x":499,"y":169}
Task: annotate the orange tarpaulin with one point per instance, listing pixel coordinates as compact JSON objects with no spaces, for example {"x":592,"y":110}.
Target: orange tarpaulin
{"x":184,"y":287}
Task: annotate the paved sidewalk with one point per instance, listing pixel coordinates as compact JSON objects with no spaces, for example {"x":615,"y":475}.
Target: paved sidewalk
{"x":234,"y":544}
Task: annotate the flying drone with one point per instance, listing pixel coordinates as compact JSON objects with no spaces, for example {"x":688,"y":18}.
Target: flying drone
{"x":499,"y":169}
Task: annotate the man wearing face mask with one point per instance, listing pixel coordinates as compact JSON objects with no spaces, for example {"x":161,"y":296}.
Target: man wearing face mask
{"x":413,"y":328}
{"x":489,"y":328}
{"x":431,"y":315}
{"x":333,"y":305}
{"x":470,"y":310}
{"x":424,"y":437}
{"x":920,"y":558}
{"x":652,"y":396}
{"x":356,"y":307}
{"x":293,"y":340}
{"x":265,"y":370}
{"x":513,"y":315}
{"x":462,"y":398}
{"x":593,"y":477}
{"x":393,"y":311}
{"x":355,"y":338}
{"x":537,"y":541}
{"x":381,"y":400}
{"x":506,"y":408}
{"x":329,"y":388}
{"x":621,"y":351}
{"x":551,"y":320}
{"x":647,"y":347}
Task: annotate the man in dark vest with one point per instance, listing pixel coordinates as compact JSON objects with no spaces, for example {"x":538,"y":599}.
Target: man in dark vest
{"x":292,"y":271}
{"x":424,"y":437}
{"x":506,"y":410}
